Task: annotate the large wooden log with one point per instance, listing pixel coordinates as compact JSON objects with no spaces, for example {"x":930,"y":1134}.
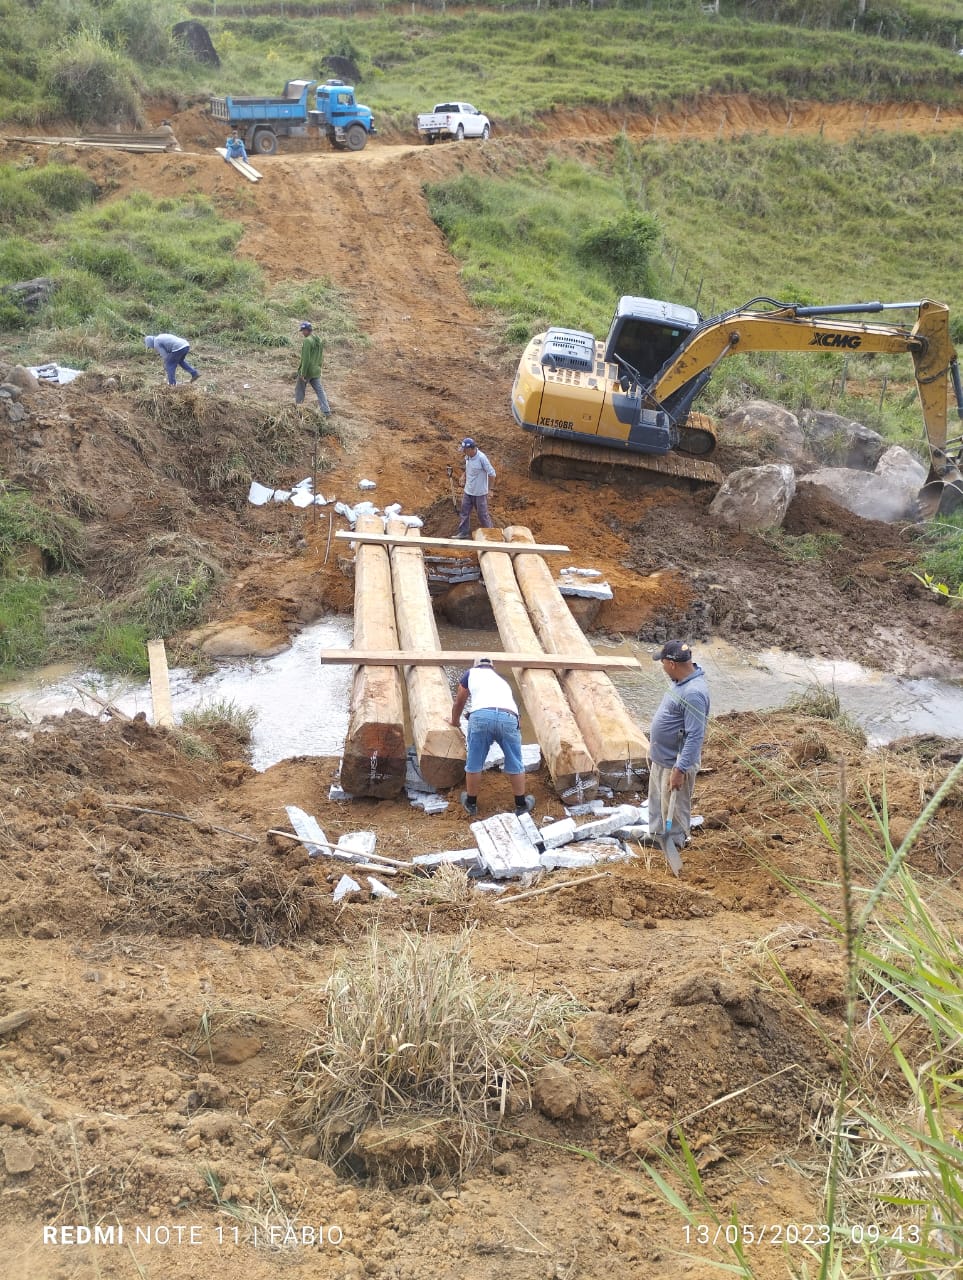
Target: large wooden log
{"x":374,"y":761}
{"x":563,"y":747}
{"x":439,"y":746}
{"x":618,"y":745}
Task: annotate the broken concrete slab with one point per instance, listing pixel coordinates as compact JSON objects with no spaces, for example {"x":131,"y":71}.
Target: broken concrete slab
{"x":431,"y":803}
{"x":586,"y":853}
{"x":504,"y":848}
{"x":610,"y":820}
{"x":380,"y":890}
{"x":313,"y":838}
{"x":557,"y":833}
{"x":531,"y":757}
{"x":357,"y":844}
{"x":590,"y":806}
{"x":467,"y":858}
{"x":571,"y":585}
{"x":345,"y":886}
{"x":531,"y":830}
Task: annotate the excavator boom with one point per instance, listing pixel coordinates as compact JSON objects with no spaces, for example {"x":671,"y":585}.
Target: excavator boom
{"x":633,"y":393}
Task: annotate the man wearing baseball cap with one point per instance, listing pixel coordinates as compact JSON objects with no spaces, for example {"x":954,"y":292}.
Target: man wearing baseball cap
{"x":675,"y":738}
{"x":309,"y":370}
{"x":493,"y":718}
{"x":478,"y":472}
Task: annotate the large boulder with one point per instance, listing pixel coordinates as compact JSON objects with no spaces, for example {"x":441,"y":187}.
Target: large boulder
{"x":864,"y":493}
{"x":196,"y":38}
{"x":755,"y":497}
{"x":899,"y":468}
{"x":839,"y":442}
{"x":768,"y":429}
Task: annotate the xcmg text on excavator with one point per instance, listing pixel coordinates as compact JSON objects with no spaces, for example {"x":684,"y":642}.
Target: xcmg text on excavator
{"x":627,"y":401}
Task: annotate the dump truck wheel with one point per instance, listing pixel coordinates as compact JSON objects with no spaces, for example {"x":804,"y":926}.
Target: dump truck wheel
{"x":265,"y":143}
{"x":355,"y":137}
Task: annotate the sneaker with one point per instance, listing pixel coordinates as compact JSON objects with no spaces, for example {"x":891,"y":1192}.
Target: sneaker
{"x":194,"y":377}
{"x":525,"y":805}
{"x":470,"y":806}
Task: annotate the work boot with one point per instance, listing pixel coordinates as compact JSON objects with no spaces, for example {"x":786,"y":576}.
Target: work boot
{"x":194,"y":377}
{"x":524,"y":804}
{"x":469,"y":805}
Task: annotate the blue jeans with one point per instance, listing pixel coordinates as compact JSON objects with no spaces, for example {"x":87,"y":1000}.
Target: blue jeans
{"x":175,"y":360}
{"x":488,"y":725}
{"x":480,"y":503}
{"x":299,"y":389}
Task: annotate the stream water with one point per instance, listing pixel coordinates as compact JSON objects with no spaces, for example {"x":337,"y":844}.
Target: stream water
{"x":301,"y":707}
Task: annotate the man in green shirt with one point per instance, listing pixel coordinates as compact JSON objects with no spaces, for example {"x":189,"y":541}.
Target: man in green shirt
{"x":309,"y":370}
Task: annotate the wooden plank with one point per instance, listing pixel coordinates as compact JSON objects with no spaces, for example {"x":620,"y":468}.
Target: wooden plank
{"x":563,"y":747}
{"x":439,"y":745}
{"x":618,"y":745}
{"x":160,"y":688}
{"x":80,"y":142}
{"x":247,"y":170}
{"x":513,"y":548}
{"x":466,"y":657}
{"x":375,"y":758}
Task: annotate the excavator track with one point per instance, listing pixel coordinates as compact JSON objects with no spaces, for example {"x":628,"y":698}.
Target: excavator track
{"x":571,"y":459}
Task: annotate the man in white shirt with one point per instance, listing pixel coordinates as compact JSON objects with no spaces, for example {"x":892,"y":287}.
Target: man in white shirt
{"x":493,"y":718}
{"x":478,"y":472}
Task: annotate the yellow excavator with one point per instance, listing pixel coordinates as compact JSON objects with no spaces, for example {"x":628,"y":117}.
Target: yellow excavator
{"x":627,"y":401}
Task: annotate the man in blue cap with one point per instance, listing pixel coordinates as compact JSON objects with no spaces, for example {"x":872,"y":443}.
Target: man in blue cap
{"x":675,"y":738}
{"x":478,"y":472}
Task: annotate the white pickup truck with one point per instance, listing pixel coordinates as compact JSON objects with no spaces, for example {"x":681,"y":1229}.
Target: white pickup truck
{"x":454,"y":120}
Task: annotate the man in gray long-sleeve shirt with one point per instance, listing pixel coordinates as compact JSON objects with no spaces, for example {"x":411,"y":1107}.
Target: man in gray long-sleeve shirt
{"x":173,"y":350}
{"x":479,"y":472}
{"x":675,"y":738}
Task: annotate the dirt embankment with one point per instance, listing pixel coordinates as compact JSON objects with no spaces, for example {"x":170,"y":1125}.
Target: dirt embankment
{"x":168,"y":968}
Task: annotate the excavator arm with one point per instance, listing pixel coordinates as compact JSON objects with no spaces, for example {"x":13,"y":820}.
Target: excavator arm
{"x":785,"y":327}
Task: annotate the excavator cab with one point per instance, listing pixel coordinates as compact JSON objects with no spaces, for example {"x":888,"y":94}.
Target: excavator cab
{"x":645,"y":333}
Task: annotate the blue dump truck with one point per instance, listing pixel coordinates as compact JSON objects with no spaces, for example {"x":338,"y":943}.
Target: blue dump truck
{"x":335,"y":114}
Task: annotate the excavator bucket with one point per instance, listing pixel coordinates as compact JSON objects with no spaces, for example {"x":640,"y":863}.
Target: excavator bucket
{"x":942,"y":494}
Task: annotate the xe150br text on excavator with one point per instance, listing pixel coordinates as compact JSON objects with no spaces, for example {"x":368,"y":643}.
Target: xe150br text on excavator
{"x":627,"y":401}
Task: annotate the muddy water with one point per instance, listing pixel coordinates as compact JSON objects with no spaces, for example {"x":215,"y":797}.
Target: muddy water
{"x":885,"y":706}
{"x":301,"y":707}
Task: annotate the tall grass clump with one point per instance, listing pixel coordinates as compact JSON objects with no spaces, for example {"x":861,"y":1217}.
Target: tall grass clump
{"x":221,"y":717}
{"x":23,"y":632}
{"x":94,"y":83}
{"x":413,"y":1038}
{"x":29,"y":196}
{"x":890,"y":1157}
{"x":942,"y":559}
{"x":58,"y":538}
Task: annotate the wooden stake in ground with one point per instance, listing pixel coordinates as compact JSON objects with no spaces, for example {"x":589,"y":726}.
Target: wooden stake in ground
{"x":563,"y":747}
{"x":439,"y":746}
{"x":375,"y":757}
{"x":618,"y":745}
{"x":160,"y":688}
